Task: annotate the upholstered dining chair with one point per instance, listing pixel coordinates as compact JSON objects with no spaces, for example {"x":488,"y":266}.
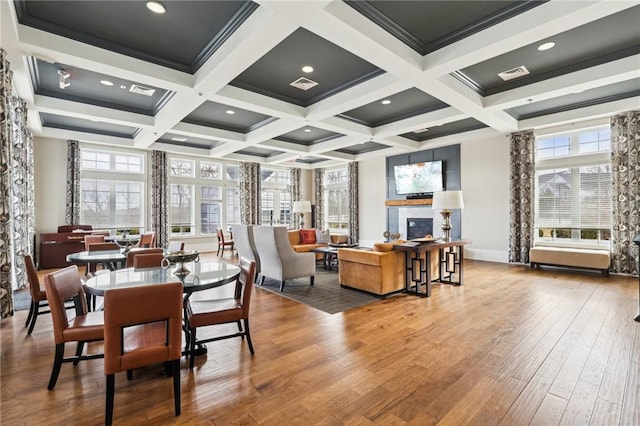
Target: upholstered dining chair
{"x":142,"y":327}
{"x":278,"y":260}
{"x":175,"y":246}
{"x":92,"y":239}
{"x":203,"y":313}
{"x":62,"y":285}
{"x":109,"y":246}
{"x":38,"y":294}
{"x":147,"y":240}
{"x":136,"y":251}
{"x":147,"y":260}
{"x":222,"y":242}
{"x":246,"y":245}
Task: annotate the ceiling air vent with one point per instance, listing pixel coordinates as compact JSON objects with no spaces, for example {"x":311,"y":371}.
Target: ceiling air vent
{"x":141,"y":90}
{"x":304,"y":83}
{"x":516,"y":72}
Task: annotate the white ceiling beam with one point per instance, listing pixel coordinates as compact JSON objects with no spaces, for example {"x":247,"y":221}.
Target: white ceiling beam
{"x":272,"y":130}
{"x":241,"y":98}
{"x":181,"y":149}
{"x":590,"y":78}
{"x":204,"y":132}
{"x":62,"y":134}
{"x":582,"y":114}
{"x":426,"y":120}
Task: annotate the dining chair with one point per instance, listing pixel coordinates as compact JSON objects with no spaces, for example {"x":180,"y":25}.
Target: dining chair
{"x":86,"y":326}
{"x":222,"y":243}
{"x":142,"y":327}
{"x":38,"y":294}
{"x":147,"y":260}
{"x":175,"y":246}
{"x":147,"y":240}
{"x":109,"y":246}
{"x":88,"y":240}
{"x":137,"y":251}
{"x":203,"y":313}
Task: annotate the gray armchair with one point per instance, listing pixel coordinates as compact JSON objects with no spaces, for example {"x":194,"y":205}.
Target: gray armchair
{"x":278,"y":260}
{"x":245,"y":244}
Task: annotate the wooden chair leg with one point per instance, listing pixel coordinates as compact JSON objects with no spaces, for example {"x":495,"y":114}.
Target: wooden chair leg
{"x":248,"y":333}
{"x":311,"y":279}
{"x":57,"y":363}
{"x":281,"y":286}
{"x":30,"y":314}
{"x":108,"y":412}
{"x":79,"y":350}
{"x":34,"y":316}
{"x":176,"y":385}
{"x":192,"y":347}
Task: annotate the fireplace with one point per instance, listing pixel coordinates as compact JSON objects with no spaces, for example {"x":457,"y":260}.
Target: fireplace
{"x":418,"y":227}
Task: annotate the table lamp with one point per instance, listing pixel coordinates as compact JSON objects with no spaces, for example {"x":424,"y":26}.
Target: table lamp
{"x":445,"y":201}
{"x":302,"y":207}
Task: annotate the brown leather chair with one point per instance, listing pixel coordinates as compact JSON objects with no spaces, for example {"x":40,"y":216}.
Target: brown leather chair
{"x":222,"y":311}
{"x":92,"y":239}
{"x":222,"y":243}
{"x":103,"y":247}
{"x":136,"y":251}
{"x":156,"y":312}
{"x":147,"y":240}
{"x":86,"y":326}
{"x":150,"y":260}
{"x":38,"y":294}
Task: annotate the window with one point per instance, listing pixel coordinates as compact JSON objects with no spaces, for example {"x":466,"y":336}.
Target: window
{"x":204,"y":196}
{"x":337,"y":199}
{"x":112,"y":189}
{"x":275,"y":202}
{"x":573,"y":188}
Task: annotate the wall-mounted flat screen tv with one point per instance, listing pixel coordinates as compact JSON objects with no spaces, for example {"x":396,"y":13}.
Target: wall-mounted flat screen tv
{"x":418,"y":178}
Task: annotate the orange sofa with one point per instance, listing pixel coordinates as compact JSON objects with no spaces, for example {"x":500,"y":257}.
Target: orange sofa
{"x":380,"y":271}
{"x":296,"y":240}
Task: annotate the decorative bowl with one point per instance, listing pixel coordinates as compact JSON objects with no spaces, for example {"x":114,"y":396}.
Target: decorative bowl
{"x":180,"y":257}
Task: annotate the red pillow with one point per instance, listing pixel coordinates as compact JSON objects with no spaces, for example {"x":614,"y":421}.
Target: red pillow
{"x":308,"y":236}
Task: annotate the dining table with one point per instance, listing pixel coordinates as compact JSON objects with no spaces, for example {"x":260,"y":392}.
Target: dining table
{"x":112,"y":259}
{"x":201,"y":276}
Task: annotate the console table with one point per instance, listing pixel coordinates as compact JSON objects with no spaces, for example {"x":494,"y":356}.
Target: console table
{"x":418,"y":267}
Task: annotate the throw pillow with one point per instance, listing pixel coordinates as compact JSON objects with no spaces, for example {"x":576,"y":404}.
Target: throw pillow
{"x":383,"y":247}
{"x":323,"y":237}
{"x":308,"y":236}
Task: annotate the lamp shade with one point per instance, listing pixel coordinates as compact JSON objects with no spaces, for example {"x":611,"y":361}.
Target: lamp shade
{"x":302,"y":206}
{"x":447,"y":200}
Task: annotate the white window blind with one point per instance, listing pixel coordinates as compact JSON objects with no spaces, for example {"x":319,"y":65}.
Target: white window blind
{"x":573,"y":187}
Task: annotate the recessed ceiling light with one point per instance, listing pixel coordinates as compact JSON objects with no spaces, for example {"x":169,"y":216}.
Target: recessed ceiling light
{"x":156,"y":7}
{"x":386,"y":102}
{"x":123,"y":87}
{"x":106,"y":82}
{"x":307,"y":69}
{"x":307,"y":130}
{"x":546,"y":46}
{"x":230,"y":111}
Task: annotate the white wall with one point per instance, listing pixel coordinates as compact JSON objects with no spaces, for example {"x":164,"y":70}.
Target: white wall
{"x":372,"y":184}
{"x":485,"y":188}
{"x":50,"y":176}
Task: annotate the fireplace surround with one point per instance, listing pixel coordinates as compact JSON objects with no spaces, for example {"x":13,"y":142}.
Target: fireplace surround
{"x":418,"y":227}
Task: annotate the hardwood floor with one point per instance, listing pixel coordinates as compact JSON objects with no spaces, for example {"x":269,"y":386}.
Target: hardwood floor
{"x":511,"y":347}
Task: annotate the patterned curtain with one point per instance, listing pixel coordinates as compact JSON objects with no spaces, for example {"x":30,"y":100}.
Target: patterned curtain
{"x":354,"y":211}
{"x":522,"y":187}
{"x":318,"y":196}
{"x":72,"y":216}
{"x":250,"y":193}
{"x":17,"y":212}
{"x":160,"y":202}
{"x":625,"y":168}
{"x":295,"y":192}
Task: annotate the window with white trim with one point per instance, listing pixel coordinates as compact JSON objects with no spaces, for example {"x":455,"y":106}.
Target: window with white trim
{"x":336,"y":186}
{"x":275,"y":201}
{"x":112,"y":189}
{"x":573,"y":188}
{"x":204,"y":196}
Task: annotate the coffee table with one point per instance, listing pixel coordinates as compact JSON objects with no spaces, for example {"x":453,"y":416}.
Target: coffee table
{"x":329,"y":256}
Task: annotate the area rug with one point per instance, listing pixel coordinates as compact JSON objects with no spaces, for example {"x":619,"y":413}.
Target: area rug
{"x":21,"y":300}
{"x":325,"y":294}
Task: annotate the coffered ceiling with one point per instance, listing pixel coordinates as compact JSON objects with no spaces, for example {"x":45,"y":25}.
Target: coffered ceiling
{"x":214,"y":78}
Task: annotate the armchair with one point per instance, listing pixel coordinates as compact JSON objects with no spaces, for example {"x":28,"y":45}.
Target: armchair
{"x":245,"y":244}
{"x":278,"y":260}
